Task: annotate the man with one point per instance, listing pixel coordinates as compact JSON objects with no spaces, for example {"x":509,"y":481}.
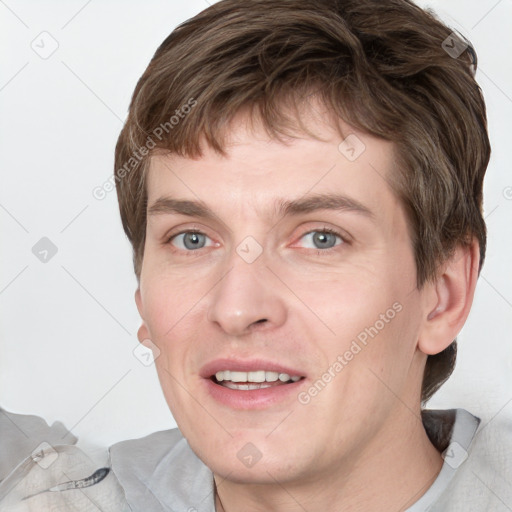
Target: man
{"x":302,"y":186}
{"x":301,"y":182}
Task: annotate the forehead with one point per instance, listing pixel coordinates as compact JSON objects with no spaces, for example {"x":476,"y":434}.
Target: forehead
{"x":261,"y":172}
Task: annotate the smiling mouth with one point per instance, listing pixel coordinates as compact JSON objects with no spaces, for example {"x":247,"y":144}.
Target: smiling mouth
{"x":247,"y":381}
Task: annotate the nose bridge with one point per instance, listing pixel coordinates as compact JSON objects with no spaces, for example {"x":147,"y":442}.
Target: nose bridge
{"x":246,"y":295}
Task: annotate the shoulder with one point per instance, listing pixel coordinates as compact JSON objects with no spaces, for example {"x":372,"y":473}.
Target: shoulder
{"x":482,"y":469}
{"x":150,"y":446}
{"x":160,"y":472}
{"x":137,"y":460}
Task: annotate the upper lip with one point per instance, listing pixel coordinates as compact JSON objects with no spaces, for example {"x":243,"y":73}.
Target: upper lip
{"x":246,"y":365}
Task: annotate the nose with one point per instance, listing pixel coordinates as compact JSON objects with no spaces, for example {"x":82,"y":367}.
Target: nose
{"x":247,"y":298}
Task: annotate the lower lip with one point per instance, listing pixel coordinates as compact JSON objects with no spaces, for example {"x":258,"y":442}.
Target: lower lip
{"x":254,"y":398}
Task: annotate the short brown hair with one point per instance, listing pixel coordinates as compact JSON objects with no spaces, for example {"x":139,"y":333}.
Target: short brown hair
{"x":380,"y":65}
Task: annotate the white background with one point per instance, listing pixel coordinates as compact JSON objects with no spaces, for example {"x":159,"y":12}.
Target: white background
{"x":68,"y":327}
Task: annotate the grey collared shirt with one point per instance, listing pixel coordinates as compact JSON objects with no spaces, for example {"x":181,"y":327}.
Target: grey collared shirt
{"x":160,"y":472}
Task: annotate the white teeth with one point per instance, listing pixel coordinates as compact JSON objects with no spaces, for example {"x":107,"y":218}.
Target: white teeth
{"x":271,"y":376}
{"x":246,"y":386}
{"x":258,"y":376}
{"x":238,"y":377}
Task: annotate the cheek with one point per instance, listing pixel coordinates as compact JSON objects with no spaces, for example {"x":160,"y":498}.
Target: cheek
{"x":344,"y":304}
{"x":168,"y":301}
{"x":174,"y":322}
{"x":363,"y":320}
{"x":365,"y":367}
{"x":172,"y":318}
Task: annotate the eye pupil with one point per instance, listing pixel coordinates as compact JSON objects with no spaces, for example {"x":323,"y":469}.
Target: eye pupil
{"x":193,"y":240}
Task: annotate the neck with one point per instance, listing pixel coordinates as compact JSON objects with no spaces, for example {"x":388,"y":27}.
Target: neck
{"x":391,"y":473}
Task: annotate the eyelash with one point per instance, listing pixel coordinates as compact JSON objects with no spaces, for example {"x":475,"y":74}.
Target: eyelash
{"x":319,"y":252}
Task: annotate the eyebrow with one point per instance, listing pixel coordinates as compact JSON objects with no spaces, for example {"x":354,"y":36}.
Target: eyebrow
{"x":323,"y":202}
{"x":169,"y":205}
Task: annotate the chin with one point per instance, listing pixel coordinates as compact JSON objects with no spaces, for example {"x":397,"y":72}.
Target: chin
{"x":250,"y":458}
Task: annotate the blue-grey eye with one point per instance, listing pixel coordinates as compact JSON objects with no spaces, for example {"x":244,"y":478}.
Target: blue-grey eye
{"x":321,"y":240}
{"x":190,"y":240}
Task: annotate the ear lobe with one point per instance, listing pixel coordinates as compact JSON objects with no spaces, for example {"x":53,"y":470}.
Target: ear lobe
{"x":448,"y":300}
{"x":143,"y":332}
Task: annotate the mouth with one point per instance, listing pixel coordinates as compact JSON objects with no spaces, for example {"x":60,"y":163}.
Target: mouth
{"x":248,"y":381}
{"x":251,"y":384}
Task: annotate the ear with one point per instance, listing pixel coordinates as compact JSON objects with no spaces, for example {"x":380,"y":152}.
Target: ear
{"x":143,"y":332}
{"x":448,"y":299}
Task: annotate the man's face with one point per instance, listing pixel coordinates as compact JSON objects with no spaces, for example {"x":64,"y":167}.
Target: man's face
{"x":282,"y":261}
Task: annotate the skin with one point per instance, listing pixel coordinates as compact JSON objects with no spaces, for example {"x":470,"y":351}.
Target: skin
{"x":359,"y":444}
